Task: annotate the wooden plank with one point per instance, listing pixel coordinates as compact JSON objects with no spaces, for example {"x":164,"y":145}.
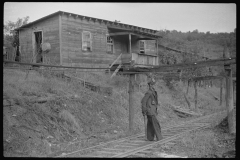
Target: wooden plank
{"x":130,"y":152}
{"x":113,"y":149}
{"x":130,"y":47}
{"x":119,"y":57}
{"x":195,"y":97}
{"x":129,"y":144}
{"x":215,"y":62}
{"x":92,"y":56}
{"x":185,"y":111}
{"x":115,"y":72}
{"x":229,"y":99}
{"x":131,"y":100}
{"x":157,"y":47}
{"x":87,"y":61}
{"x":119,"y":33}
{"x":203,"y":78}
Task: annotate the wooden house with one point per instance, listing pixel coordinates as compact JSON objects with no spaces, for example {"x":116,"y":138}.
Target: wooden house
{"x":83,"y":41}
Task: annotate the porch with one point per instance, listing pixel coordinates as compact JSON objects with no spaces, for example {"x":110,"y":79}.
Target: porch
{"x":133,"y":47}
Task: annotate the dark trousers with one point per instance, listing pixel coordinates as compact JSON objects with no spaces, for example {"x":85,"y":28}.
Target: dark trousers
{"x":153,"y":128}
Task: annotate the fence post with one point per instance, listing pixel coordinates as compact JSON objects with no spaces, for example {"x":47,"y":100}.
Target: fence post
{"x":221,"y":87}
{"x":229,"y":93}
{"x":195,"y":97}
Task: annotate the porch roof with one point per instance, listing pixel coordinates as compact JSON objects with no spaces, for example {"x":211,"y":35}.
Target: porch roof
{"x":140,"y":35}
{"x":143,"y":34}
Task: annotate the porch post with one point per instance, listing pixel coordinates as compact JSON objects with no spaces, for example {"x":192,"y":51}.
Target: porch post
{"x":130,"y":47}
{"x":157,"y":51}
{"x":157,"y":45}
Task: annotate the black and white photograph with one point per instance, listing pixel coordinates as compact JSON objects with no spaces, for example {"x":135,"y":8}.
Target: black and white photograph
{"x":119,"y":80}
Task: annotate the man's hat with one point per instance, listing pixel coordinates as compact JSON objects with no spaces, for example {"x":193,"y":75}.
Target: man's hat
{"x":151,"y":81}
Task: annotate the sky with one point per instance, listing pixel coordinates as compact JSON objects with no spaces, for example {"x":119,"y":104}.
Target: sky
{"x":184,"y":17}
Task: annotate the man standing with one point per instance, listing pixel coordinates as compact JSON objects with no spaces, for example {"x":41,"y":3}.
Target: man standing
{"x":149,"y":110}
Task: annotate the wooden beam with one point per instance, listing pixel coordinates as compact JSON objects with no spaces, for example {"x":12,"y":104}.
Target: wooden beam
{"x":131,"y":80}
{"x":115,"y":60}
{"x":206,"y":78}
{"x":215,"y":62}
{"x":221,"y":87}
{"x":130,"y":43}
{"x":195,"y":97}
{"x":229,"y":93}
{"x":131,"y":100}
{"x":157,"y":53}
{"x":141,"y":37}
{"x":115,"y":72}
{"x":119,"y":33}
{"x":229,"y":99}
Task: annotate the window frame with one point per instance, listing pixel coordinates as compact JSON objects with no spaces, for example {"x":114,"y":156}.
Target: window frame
{"x":88,"y":40}
{"x":144,"y":47}
{"x":111,"y":44}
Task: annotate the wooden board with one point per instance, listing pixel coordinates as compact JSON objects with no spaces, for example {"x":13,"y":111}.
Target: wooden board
{"x":185,"y":111}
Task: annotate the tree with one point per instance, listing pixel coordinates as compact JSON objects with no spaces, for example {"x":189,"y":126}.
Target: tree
{"x":9,"y":34}
{"x":10,"y":26}
{"x":11,"y":39}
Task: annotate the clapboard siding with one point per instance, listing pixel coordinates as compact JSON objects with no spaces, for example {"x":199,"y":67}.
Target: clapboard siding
{"x":72,"y":29}
{"x":64,"y":33}
{"x":50,"y":28}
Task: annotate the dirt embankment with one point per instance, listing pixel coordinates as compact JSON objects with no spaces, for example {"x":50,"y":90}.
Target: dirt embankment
{"x":43,"y":115}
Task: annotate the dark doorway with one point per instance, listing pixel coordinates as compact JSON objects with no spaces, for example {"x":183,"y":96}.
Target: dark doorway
{"x":38,"y":49}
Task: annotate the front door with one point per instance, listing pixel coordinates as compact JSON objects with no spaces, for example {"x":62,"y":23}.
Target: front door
{"x":37,"y":51}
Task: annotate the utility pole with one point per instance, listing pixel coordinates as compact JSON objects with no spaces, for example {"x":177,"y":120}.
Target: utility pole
{"x":131,"y":90}
{"x":131,"y":100}
{"x":229,"y":94}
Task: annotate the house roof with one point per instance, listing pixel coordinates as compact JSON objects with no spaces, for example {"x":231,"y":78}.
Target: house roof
{"x":110,"y":24}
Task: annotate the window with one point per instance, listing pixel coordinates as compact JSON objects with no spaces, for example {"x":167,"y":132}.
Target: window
{"x":109,"y":44}
{"x":86,"y":41}
{"x":141,"y":46}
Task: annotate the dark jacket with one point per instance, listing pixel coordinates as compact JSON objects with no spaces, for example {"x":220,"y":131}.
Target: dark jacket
{"x":149,"y":103}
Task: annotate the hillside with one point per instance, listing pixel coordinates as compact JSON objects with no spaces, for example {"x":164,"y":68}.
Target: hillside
{"x":196,"y":46}
{"x":44,"y":114}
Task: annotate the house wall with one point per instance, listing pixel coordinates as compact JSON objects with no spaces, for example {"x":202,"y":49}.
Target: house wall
{"x":72,"y":53}
{"x":67,"y":50}
{"x":50,"y":28}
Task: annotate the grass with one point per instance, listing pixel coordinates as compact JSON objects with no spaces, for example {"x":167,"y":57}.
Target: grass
{"x":200,"y":143}
{"x":78,"y":113}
